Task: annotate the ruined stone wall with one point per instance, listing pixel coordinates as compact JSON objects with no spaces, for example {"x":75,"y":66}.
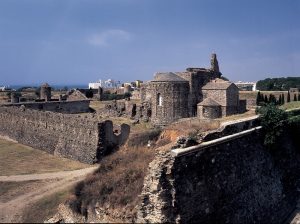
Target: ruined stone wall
{"x":174,"y":101}
{"x":77,"y":137}
{"x":239,"y":181}
{"x":69,"y":107}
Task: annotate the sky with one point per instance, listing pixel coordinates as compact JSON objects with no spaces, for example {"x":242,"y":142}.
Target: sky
{"x":80,"y":41}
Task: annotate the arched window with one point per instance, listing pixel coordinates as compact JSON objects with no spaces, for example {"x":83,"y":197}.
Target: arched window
{"x":159,"y":99}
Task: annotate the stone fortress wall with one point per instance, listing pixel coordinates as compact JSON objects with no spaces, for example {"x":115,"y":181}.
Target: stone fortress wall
{"x":237,"y":180}
{"x":78,"y":137}
{"x":68,"y":107}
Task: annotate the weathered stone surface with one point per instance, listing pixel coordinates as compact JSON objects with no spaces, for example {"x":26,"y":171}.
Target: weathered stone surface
{"x":75,"y":94}
{"x":45,"y":93}
{"x":169,"y":100}
{"x":234,"y":182}
{"x":68,"y":107}
{"x":78,"y":137}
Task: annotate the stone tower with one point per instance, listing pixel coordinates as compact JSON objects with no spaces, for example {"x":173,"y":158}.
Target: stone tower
{"x":169,"y":98}
{"x":45,"y":93}
{"x":14,"y":97}
{"x":127,"y":89}
{"x":214,"y":63}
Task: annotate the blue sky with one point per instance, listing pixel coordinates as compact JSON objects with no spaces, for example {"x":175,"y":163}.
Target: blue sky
{"x":79,"y":41}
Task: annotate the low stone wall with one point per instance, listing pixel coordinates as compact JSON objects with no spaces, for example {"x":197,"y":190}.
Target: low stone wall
{"x":69,"y":107}
{"x":78,"y":137}
{"x":228,"y":128}
{"x":236,"y":181}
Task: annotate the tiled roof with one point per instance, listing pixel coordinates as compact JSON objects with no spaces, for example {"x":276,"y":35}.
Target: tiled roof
{"x":167,"y":77}
{"x":209,"y":102}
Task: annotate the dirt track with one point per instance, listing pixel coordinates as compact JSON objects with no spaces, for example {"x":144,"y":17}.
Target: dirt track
{"x":11,"y":211}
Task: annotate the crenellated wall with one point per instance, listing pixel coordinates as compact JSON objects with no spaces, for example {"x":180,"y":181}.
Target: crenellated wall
{"x":78,"y":137}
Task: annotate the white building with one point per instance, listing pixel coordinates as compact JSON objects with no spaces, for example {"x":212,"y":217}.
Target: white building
{"x":246,"y":86}
{"x":96,"y":85}
{"x":3,"y":88}
{"x":110,"y":83}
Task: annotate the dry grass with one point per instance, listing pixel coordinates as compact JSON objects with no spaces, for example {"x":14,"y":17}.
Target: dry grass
{"x":45,"y":208}
{"x":291,"y":105}
{"x":12,"y":190}
{"x":19,"y":159}
{"x":97,"y":105}
{"x":253,"y":94}
{"x":235,"y":117}
{"x":117,"y":182}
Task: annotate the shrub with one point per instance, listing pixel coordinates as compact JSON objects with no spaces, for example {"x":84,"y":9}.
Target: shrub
{"x":272,"y":121}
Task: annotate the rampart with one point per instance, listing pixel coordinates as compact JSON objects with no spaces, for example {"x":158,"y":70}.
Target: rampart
{"x":232,"y":179}
{"x":78,"y":137}
{"x":69,"y":107}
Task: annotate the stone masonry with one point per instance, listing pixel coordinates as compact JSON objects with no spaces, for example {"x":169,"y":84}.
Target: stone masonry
{"x":78,"y":137}
{"x":238,"y":181}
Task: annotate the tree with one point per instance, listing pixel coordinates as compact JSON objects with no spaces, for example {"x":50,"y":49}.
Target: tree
{"x":272,"y":99}
{"x":266,"y":99}
{"x":281,"y":84}
{"x":298,"y":96}
{"x":272,"y":121}
{"x":295,"y":97}
{"x":283,"y":100}
{"x":258,"y":97}
{"x":280,"y":100}
{"x":288,"y":97}
{"x":89,"y":93}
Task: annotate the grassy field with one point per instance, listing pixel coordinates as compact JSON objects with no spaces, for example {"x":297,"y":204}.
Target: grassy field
{"x":46,"y":207}
{"x":19,"y":159}
{"x":291,"y":105}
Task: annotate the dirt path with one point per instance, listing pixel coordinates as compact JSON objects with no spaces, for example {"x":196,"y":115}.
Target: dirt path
{"x":44,"y":176}
{"x":12,"y":211}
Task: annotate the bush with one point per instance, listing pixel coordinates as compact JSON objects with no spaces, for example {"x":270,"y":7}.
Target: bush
{"x":89,"y":93}
{"x":272,"y":121}
{"x":294,"y":127}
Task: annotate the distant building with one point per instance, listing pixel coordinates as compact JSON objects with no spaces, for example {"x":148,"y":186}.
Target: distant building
{"x":294,"y":90}
{"x":246,"y":86}
{"x":110,"y":83}
{"x":3,"y":88}
{"x":96,"y":85}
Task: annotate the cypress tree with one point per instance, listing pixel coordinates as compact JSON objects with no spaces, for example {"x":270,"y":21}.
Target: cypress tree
{"x":283,"y":100}
{"x":298,"y":96}
{"x":272,"y":99}
{"x":258,"y":98}
{"x":288,"y":97}
{"x":280,"y":100}
{"x":295,"y":97}
{"x":266,"y":99}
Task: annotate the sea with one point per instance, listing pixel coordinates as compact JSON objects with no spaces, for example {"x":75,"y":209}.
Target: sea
{"x":75,"y":86}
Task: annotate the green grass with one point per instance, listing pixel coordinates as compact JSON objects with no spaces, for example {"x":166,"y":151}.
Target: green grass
{"x":291,"y":105}
{"x":19,"y":159}
{"x":45,"y":208}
